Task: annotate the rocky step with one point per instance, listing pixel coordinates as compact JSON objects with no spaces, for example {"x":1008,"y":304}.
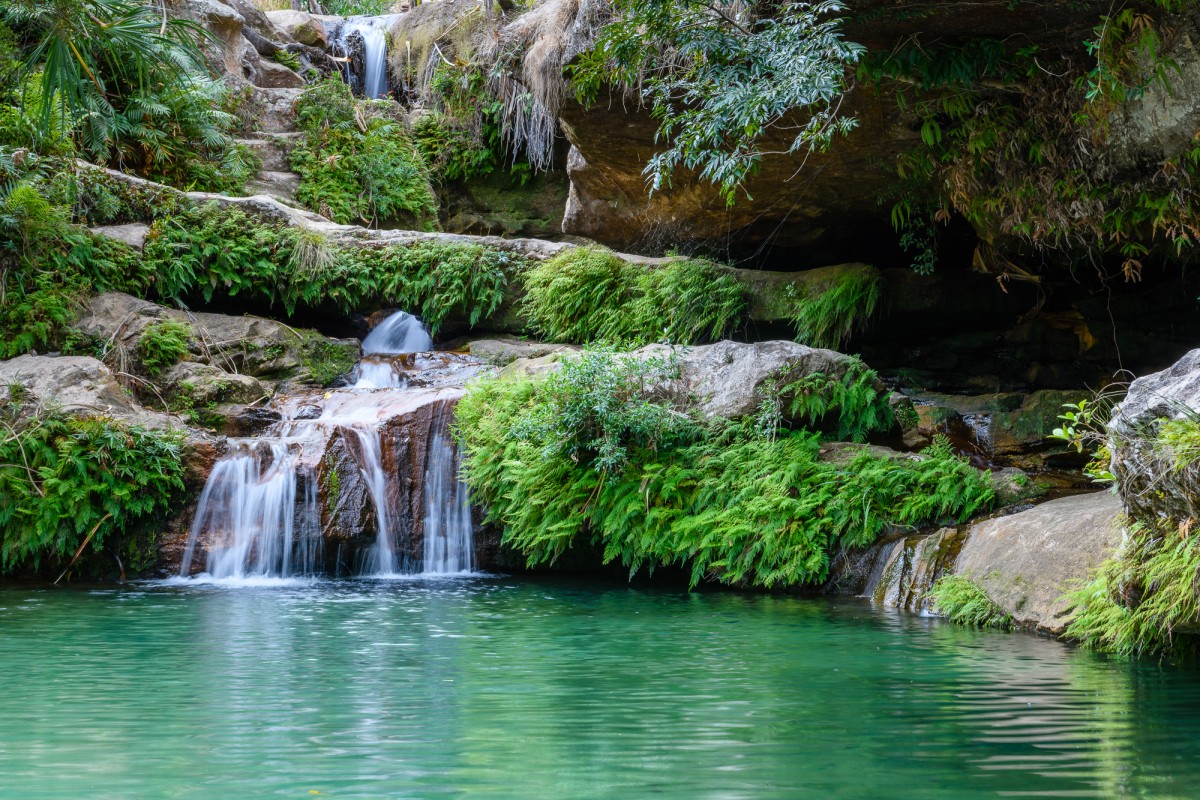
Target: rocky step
{"x":274,"y":108}
{"x":272,"y":148}
{"x":278,"y":184}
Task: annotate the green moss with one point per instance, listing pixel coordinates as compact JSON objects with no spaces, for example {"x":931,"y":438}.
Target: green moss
{"x":965,"y":602}
{"x":331,"y":484}
{"x":326,"y":361}
{"x":586,"y":295}
{"x":594,"y":454}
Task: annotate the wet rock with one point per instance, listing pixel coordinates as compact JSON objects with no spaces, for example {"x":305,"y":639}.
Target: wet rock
{"x":347,"y":511}
{"x":244,"y":421}
{"x":1027,"y":561}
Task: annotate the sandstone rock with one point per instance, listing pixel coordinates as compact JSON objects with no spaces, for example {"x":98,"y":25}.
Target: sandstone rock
{"x":1027,"y":561}
{"x":251,"y":345}
{"x":502,"y":352}
{"x":79,"y":385}
{"x":302,"y":27}
{"x":204,"y":384}
{"x":1151,"y":484}
{"x":133,"y":234}
{"x":273,"y":75}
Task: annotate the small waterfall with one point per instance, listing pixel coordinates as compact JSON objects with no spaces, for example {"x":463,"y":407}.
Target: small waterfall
{"x":399,"y":333}
{"x":374,"y":34}
{"x":907,"y":567}
{"x":381,"y":559}
{"x":249,"y":507}
{"x":449,"y":537}
{"x":336,"y":461}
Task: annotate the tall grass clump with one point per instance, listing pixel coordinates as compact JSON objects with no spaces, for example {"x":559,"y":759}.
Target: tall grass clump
{"x":602,"y":452}
{"x":828,"y":317}
{"x":963,"y":601}
{"x":588,"y":295}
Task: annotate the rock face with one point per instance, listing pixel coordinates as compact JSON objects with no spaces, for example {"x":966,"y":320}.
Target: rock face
{"x":78,"y":384}
{"x":302,"y":27}
{"x":1027,"y":561}
{"x":1152,"y":486}
{"x":253,"y":346}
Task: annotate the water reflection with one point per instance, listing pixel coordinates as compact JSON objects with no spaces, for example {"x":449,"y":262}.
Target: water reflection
{"x":505,"y":688}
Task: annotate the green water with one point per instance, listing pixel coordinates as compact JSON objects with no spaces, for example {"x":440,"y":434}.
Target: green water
{"x":506,"y":688}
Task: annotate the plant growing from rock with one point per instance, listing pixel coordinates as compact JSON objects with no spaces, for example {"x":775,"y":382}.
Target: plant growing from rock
{"x":70,"y":483}
{"x":963,"y":601}
{"x":163,"y":344}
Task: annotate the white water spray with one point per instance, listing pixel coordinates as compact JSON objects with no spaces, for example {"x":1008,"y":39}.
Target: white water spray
{"x":374,"y":32}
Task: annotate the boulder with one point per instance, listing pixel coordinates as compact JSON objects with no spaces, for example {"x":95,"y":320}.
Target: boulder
{"x":204,"y":384}
{"x":133,"y":234}
{"x":302,"y":27}
{"x":1027,"y":561}
{"x":1151,"y":484}
{"x":273,"y":75}
{"x":80,"y":385}
{"x":503,"y":351}
{"x":250,"y":345}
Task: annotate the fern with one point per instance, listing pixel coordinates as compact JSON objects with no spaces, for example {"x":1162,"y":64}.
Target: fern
{"x":964,"y":602}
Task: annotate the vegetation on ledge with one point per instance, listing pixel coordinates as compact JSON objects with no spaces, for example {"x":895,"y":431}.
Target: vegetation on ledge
{"x":598,"y":453}
{"x":71,"y":485}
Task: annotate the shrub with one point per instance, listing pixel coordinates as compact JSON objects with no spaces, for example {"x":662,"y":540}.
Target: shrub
{"x":357,"y":162}
{"x":66,"y":482}
{"x":585,"y":455}
{"x":963,"y":601}
{"x":163,"y":344}
{"x":587,"y":295}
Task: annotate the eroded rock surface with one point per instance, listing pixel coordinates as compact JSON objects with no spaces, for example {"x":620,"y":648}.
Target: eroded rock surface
{"x":1027,"y":561}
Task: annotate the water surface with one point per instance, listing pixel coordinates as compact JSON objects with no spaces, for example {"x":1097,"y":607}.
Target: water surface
{"x":511,"y":688}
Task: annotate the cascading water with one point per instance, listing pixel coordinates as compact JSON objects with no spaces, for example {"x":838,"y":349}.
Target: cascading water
{"x":449,"y":537}
{"x":374,"y":34}
{"x":271,"y":501}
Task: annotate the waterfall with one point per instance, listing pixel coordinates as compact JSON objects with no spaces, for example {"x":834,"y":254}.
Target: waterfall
{"x":375,"y":455}
{"x":249,"y":506}
{"x":449,"y":538}
{"x":374,"y":34}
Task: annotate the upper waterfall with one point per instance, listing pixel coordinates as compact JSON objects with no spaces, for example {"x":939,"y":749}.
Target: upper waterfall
{"x":374,"y":34}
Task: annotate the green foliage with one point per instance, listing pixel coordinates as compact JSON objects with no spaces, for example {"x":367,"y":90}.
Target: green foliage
{"x":1179,"y":440}
{"x":719,"y":76}
{"x":1019,"y":150}
{"x":964,"y":602}
{"x":599,"y":405}
{"x":850,"y":407}
{"x":223,"y":252}
{"x":357,"y":162}
{"x":63,"y":479}
{"x":587,"y":295}
{"x":354,"y":8}
{"x":828,"y":317}
{"x":653,"y":487}
{"x":1143,"y":599}
{"x":130,"y":85}
{"x":163,"y":344}
{"x":48,"y":266}
{"x":1085,"y":428}
{"x":288,"y":59}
